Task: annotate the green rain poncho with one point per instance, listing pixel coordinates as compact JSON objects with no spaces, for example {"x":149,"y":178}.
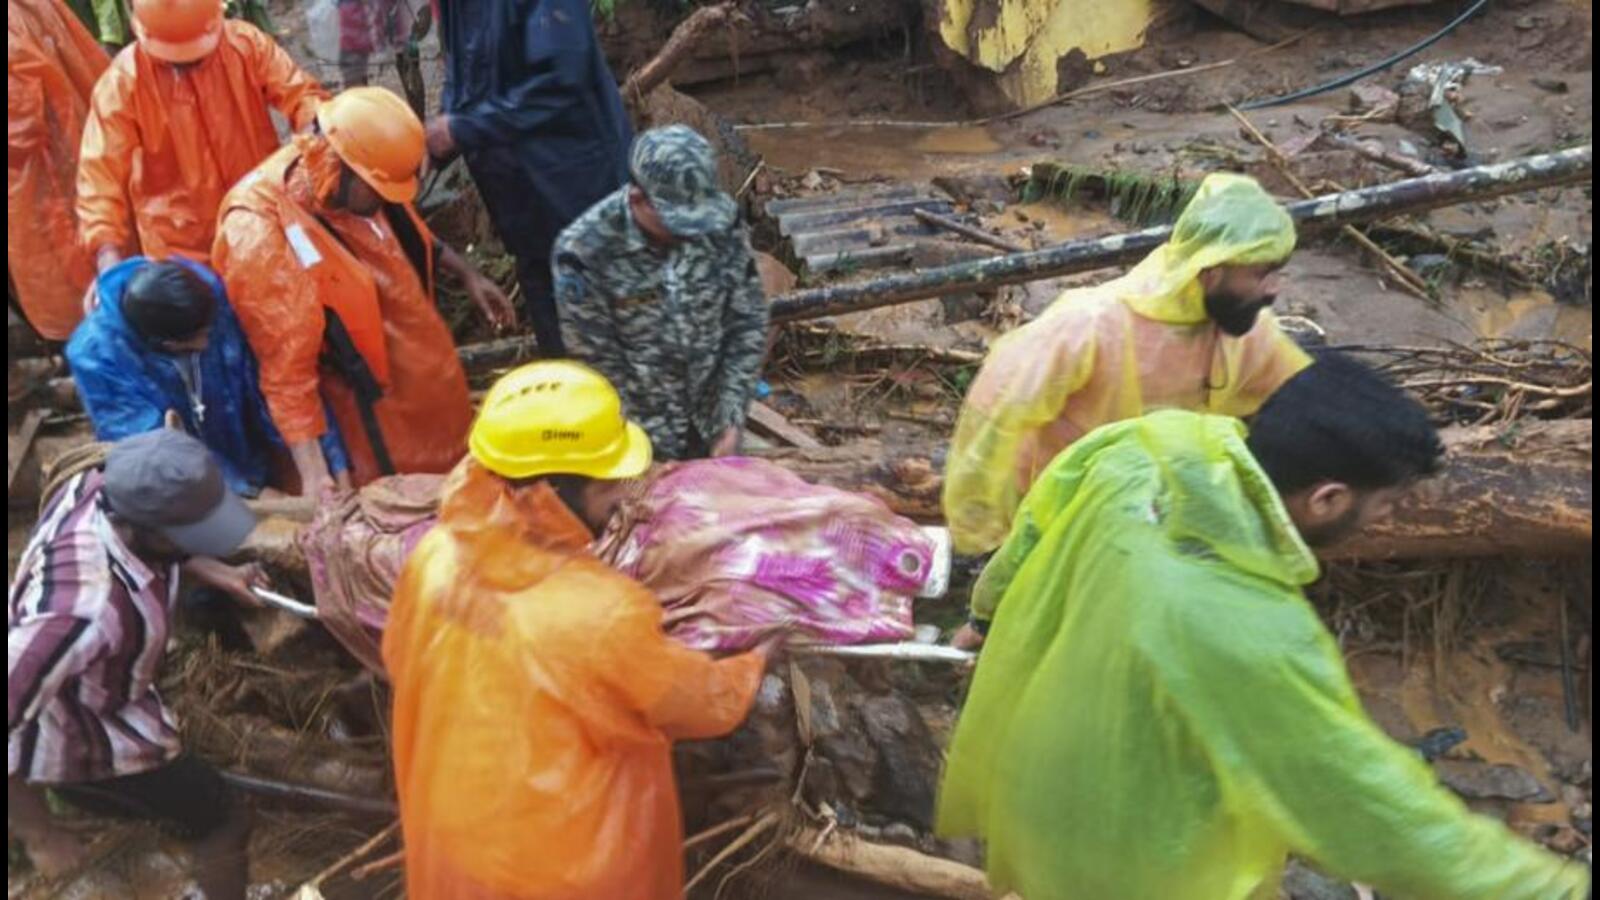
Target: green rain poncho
{"x":1159,"y":713}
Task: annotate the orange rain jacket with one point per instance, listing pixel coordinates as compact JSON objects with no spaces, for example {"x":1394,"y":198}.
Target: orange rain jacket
{"x":163,"y":144}
{"x":536,"y":699}
{"x":285,"y":258}
{"x":51,"y":65}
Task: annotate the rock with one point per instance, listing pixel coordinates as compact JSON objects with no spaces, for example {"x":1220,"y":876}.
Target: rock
{"x":1439,"y":741}
{"x":1553,"y":85}
{"x":908,"y":759}
{"x":1476,"y":780}
{"x":1301,"y":882}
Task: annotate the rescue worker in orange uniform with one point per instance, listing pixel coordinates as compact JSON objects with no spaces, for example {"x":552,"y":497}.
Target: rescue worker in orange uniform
{"x":51,"y":65}
{"x":536,"y":697}
{"x":179,"y":117}
{"x":333,"y":275}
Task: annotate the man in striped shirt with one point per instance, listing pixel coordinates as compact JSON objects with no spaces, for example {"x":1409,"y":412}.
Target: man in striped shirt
{"x":88,"y":618}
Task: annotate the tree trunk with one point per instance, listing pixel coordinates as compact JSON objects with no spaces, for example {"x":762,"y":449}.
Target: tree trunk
{"x":1522,"y":493}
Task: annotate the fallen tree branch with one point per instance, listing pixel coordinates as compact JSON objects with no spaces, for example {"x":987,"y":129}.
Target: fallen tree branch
{"x":311,"y":888}
{"x":766,"y":822}
{"x":1407,"y":279}
{"x":652,"y":74}
{"x":393,"y":861}
{"x":965,"y":230}
{"x":1397,"y":161}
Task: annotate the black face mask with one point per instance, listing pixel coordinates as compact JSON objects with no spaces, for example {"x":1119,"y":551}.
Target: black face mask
{"x":1233,"y":315}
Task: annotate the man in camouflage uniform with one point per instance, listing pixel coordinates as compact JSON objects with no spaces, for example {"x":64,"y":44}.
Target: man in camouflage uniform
{"x":657,"y":288}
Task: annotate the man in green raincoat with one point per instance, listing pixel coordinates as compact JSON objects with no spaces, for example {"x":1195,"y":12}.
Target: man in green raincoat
{"x":1158,"y":711}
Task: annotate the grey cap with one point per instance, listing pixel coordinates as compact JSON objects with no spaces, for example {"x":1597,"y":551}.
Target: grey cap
{"x":167,"y":481}
{"x":677,"y":169}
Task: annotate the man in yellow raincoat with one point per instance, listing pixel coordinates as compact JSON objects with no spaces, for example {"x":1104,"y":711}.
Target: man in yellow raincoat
{"x":536,"y":697}
{"x":1186,"y":328}
{"x":1159,"y":712}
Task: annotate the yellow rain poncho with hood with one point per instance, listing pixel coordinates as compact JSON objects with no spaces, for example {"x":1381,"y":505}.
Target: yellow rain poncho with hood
{"x":1116,"y":350}
{"x":1159,"y":712}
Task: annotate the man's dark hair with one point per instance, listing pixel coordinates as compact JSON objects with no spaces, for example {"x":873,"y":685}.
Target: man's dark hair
{"x":1339,"y":420}
{"x":168,"y":301}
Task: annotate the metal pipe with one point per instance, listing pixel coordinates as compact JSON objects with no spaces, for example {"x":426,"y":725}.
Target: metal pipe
{"x":1382,"y":201}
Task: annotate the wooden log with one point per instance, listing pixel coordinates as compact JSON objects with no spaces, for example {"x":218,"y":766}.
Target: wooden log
{"x":1522,"y":491}
{"x":1368,"y":204}
{"x":898,"y":867}
{"x":677,"y":48}
{"x":1526,"y":492}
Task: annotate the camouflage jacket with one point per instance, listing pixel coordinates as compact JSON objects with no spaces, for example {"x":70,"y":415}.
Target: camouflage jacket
{"x":680,"y":332}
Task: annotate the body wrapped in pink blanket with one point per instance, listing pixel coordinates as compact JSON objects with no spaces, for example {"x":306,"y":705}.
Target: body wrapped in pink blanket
{"x":734,"y":548}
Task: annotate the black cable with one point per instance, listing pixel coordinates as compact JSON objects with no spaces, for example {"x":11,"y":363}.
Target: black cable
{"x":1359,"y":74}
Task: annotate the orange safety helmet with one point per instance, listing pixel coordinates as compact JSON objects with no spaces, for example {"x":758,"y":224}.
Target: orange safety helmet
{"x":377,"y":135}
{"x":178,"y":31}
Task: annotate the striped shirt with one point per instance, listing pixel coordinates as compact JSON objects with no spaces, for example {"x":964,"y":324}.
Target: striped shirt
{"x":86,"y":627}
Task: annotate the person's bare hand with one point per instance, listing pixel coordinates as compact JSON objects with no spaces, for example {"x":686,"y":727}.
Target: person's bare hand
{"x":492,"y":302}
{"x":728,"y":443}
{"x":967,"y":638}
{"x":237,"y":582}
{"x":171,"y":421}
{"x":441,"y":143}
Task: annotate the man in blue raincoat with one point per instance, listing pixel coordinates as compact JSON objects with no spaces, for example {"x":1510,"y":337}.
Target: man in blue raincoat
{"x":162,"y":339}
{"x":529,"y":99}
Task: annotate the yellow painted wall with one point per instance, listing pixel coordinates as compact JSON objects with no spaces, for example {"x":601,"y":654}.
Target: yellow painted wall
{"x":1024,"y":38}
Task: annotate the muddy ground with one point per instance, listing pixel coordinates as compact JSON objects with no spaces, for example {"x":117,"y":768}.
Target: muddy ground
{"x":1469,"y":645}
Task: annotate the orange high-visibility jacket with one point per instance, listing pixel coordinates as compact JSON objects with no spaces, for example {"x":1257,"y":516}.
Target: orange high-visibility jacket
{"x":536,"y":699}
{"x":285,"y":261}
{"x":51,"y":65}
{"x":163,"y":144}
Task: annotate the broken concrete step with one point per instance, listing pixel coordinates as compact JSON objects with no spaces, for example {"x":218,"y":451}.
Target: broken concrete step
{"x":840,"y":199}
{"x":858,"y":259}
{"x":813,"y":243}
{"x":815,"y":221}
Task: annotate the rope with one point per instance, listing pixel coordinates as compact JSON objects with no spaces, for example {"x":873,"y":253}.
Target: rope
{"x":68,"y":465}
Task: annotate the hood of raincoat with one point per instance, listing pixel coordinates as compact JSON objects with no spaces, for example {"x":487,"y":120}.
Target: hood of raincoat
{"x":1230,"y":222}
{"x":1154,"y":667}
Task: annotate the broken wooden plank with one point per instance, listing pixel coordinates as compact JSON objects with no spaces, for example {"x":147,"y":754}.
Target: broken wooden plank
{"x":770,"y":424}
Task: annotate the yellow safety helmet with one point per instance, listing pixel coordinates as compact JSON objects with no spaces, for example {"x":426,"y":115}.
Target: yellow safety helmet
{"x":557,"y":417}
